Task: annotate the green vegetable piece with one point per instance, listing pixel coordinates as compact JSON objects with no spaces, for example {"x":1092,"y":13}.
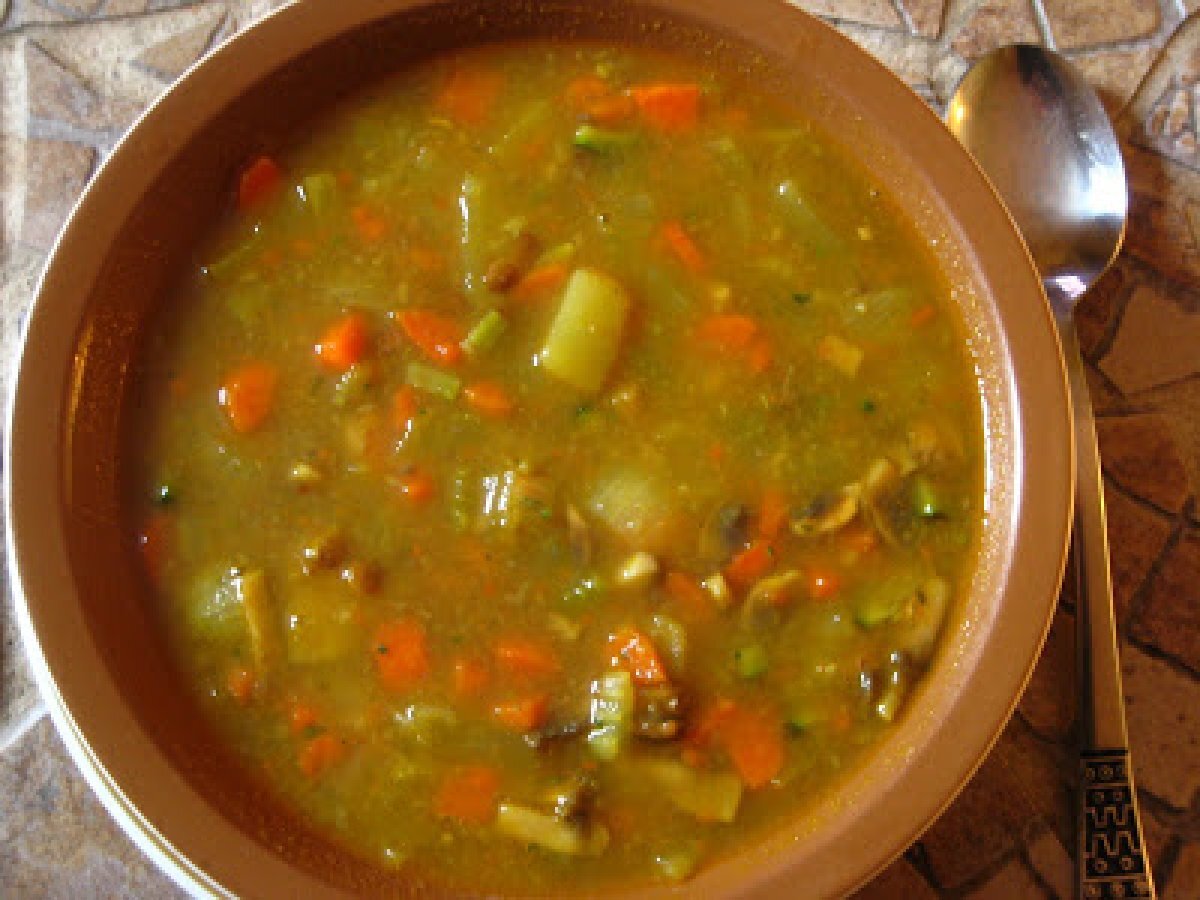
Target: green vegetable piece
{"x":435,"y":381}
{"x":709,"y":796}
{"x":602,"y":140}
{"x":751,"y":661}
{"x":318,"y":191}
{"x":677,"y":865}
{"x":484,"y":334}
{"x":812,"y":229}
{"x":611,"y":708}
{"x":925,"y":499}
{"x":248,"y":303}
{"x":584,"y":591}
{"x":586,"y":333}
{"x":884,"y":602}
{"x":351,"y":387}
{"x":800,"y":720}
{"x":671,"y":636}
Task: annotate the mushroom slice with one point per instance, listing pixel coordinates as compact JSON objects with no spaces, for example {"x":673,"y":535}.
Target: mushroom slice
{"x":827,"y":514}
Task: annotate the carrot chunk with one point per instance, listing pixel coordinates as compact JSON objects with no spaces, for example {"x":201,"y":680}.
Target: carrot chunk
{"x":370,"y":225}
{"x":416,"y":486}
{"x":683,"y":247}
{"x":489,"y":398}
{"x":772,"y":514}
{"x":344,"y":343}
{"x":823,"y":584}
{"x":668,"y":106}
{"x":259,"y":182}
{"x":240,"y":683}
{"x":728,"y":331}
{"x":540,"y":281}
{"x":635,"y":652}
{"x":435,"y":335}
{"x":404,"y":407}
{"x":523,"y":714}
{"x":751,"y":564}
{"x":248,"y":395}
{"x":524,"y":656}
{"x":401,"y":654}
{"x":690,"y":599}
{"x":470,"y":677}
{"x":468,"y":794}
{"x":754,"y":742}
{"x":301,"y":717}
{"x":469,"y":95}
{"x":586,"y":89}
{"x":320,"y":754}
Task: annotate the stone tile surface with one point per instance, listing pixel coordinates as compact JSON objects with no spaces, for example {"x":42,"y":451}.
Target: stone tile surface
{"x":1170,"y":617}
{"x":1088,"y":23}
{"x":74,"y":73}
{"x":1163,"y":711}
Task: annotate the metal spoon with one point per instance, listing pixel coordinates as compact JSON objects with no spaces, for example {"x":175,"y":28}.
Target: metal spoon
{"x":1039,"y":132}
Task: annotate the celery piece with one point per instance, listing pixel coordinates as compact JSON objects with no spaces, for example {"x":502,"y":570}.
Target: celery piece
{"x":611,"y":707}
{"x":435,"y":381}
{"x":484,"y":334}
{"x":351,"y":387}
{"x":671,"y":636}
{"x":586,"y":333}
{"x":583,"y":591}
{"x":602,"y":140}
{"x":318,"y":191}
{"x":925,"y":499}
{"x":559,"y":253}
{"x":813,"y":230}
{"x":677,"y":865}
{"x":751,"y":661}
{"x":709,"y":796}
{"x":885,"y":601}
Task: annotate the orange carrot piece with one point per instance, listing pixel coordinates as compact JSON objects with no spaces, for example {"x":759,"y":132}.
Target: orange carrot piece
{"x":635,"y":652}
{"x":754,"y":742}
{"x":343,"y":343}
{"x":320,"y":754}
{"x":683,"y":247}
{"x":524,"y":656}
{"x":668,"y":106}
{"x":435,"y":335}
{"x":751,"y":564}
{"x":240,"y":682}
{"x":416,"y":486}
{"x":401,"y":654}
{"x":859,"y":539}
{"x":154,"y":542}
{"x":922,"y":315}
{"x":616,"y":109}
{"x":772,"y":514}
{"x":523,"y":714}
{"x":585,"y":90}
{"x":469,"y":95}
{"x":489,"y":398}
{"x":259,"y":182}
{"x":248,"y":395}
{"x":468,"y":794}
{"x":301,"y":717}
{"x":728,"y":331}
{"x":759,"y":355}
{"x":823,"y":584}
{"x":404,"y":407}
{"x":470,"y":677}
{"x":540,"y":281}
{"x":691,"y":600}
{"x":370,"y":225}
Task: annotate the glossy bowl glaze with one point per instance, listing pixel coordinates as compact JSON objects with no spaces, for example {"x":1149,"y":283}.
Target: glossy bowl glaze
{"x":89,"y":625}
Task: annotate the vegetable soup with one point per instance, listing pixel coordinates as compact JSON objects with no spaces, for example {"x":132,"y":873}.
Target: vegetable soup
{"x":557,"y":469}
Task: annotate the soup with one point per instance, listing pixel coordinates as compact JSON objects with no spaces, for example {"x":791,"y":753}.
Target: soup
{"x":557,"y":469}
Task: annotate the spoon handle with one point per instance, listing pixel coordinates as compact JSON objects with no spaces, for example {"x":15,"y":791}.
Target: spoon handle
{"x":1111,"y":859}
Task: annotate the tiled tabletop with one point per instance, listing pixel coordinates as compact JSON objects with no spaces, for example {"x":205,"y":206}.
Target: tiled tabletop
{"x":75,"y":73}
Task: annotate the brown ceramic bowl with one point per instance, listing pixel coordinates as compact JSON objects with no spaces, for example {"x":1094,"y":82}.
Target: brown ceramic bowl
{"x":89,"y":626}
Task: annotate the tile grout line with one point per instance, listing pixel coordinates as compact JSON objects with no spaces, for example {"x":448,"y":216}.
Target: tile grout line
{"x":14,"y":731}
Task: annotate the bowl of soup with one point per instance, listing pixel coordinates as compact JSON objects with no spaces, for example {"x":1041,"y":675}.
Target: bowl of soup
{"x":530,"y":449}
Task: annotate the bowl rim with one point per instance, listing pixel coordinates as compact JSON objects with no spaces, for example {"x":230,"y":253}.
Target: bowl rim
{"x":35,"y":530}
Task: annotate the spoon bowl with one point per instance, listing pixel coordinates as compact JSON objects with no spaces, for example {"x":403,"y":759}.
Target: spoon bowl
{"x":1039,"y":131}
